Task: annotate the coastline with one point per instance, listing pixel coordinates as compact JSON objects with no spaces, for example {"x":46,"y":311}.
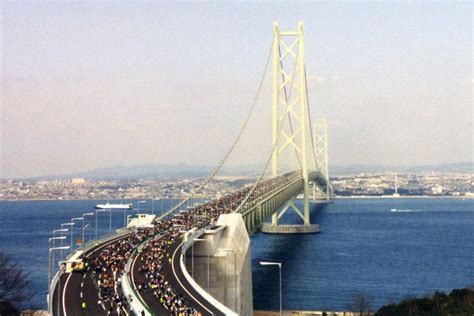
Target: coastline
{"x":356,"y":197}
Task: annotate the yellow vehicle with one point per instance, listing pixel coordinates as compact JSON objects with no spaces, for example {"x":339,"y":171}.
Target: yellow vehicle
{"x":76,"y":266}
{"x":75,"y":263}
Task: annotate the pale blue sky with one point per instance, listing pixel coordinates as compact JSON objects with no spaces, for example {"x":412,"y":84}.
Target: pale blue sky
{"x":88,"y":85}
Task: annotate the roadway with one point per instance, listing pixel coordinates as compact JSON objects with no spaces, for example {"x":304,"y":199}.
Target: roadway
{"x":175,"y":276}
{"x":79,"y":287}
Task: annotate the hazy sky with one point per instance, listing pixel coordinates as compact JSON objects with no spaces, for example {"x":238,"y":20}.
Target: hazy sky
{"x":88,"y":85}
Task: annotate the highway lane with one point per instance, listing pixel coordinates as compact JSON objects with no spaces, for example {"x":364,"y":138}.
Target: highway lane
{"x":78,"y":287}
{"x":175,"y":276}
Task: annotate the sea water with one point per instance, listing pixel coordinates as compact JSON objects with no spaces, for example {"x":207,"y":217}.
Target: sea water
{"x":365,"y":246}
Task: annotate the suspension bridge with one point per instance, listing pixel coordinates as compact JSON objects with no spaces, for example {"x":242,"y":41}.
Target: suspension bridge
{"x":196,"y":260}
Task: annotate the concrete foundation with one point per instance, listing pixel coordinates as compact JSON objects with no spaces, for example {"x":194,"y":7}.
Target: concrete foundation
{"x":230,"y":272}
{"x":290,"y":229}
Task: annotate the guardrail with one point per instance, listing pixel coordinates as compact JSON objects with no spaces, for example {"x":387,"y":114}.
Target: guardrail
{"x":51,"y":289}
{"x":137,"y":304}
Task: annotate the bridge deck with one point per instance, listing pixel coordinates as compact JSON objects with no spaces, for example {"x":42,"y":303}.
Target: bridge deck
{"x":165,"y":251}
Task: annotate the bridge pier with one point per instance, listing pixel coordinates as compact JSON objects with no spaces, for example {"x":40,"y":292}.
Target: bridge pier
{"x":228,"y":247}
{"x":291,"y":229}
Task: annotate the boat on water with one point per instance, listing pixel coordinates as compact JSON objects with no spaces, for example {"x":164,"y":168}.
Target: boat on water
{"x":113,"y":206}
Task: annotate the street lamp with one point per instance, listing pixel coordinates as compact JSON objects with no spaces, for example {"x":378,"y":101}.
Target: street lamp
{"x":84,"y":227}
{"x":71,"y":229}
{"x":153,"y":206}
{"x":49,"y":259}
{"x":267,"y":263}
{"x":60,"y":231}
{"x":110,"y":219}
{"x":49,"y":256}
{"x":208,"y":251}
{"x":74,"y":219}
{"x":235,"y":274}
{"x":138,"y":205}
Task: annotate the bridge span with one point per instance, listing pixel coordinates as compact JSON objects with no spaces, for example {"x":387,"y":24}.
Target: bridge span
{"x":148,"y":260}
{"x":150,"y":270}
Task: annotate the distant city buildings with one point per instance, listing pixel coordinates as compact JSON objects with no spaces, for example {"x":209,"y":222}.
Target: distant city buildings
{"x":86,"y":189}
{"x":361,"y":184}
{"x":429,"y":184}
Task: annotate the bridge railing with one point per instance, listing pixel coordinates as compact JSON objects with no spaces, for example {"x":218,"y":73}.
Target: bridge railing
{"x":137,"y":304}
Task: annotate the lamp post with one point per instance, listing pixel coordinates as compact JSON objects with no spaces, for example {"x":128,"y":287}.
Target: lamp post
{"x":49,"y":257}
{"x":71,"y":229}
{"x":208,"y":251}
{"x":101,"y":210}
{"x":60,"y":231}
{"x":235,"y":274}
{"x":138,"y":205}
{"x":74,"y":219}
{"x":84,"y":227}
{"x":59,"y":281}
{"x":153,"y":206}
{"x":267,"y":263}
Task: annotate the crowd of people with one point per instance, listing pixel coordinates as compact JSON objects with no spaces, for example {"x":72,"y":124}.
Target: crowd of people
{"x":107,"y":269}
{"x":155,"y":254}
{"x":109,"y":266}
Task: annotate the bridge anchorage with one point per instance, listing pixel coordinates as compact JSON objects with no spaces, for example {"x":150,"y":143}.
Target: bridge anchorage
{"x":290,"y":102}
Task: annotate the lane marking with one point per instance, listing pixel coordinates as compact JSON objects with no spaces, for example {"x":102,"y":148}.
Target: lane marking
{"x":182,"y":286}
{"x":82,"y":284}
{"x":81,"y":294}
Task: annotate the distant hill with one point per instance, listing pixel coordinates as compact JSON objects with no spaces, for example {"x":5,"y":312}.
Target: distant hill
{"x":180,"y":171}
{"x":359,"y":168}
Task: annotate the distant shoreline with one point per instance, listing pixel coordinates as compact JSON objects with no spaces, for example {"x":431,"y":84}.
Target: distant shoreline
{"x":355,"y":197}
{"x":404,"y":197}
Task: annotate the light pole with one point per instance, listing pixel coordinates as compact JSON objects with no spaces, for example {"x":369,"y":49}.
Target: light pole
{"x":208,"y":251}
{"x":59,"y":281}
{"x":138,"y":205}
{"x":71,"y":229}
{"x":267,"y":263}
{"x":161,"y":206}
{"x":49,"y":257}
{"x":235,"y":274}
{"x":84,"y":227}
{"x":153,"y":206}
{"x":97,"y":211}
{"x":60,"y":231}
{"x":74,"y":219}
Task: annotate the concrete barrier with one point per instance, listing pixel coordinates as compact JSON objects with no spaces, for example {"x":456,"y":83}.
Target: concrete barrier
{"x":187,"y":243}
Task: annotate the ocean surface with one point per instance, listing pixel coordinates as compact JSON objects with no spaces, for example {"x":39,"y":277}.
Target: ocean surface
{"x":387,"y":248}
